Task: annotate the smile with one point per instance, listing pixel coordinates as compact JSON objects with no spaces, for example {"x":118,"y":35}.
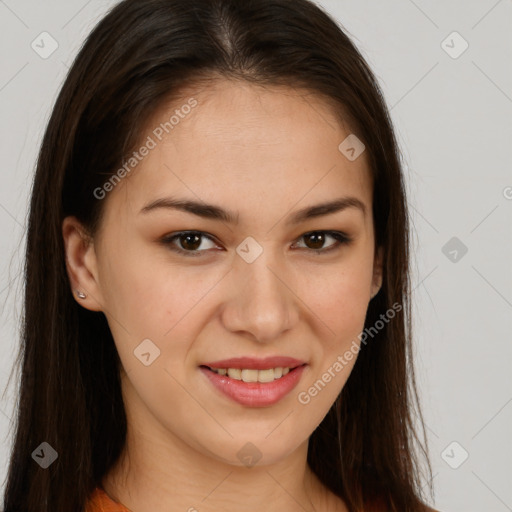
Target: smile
{"x":254,"y":388}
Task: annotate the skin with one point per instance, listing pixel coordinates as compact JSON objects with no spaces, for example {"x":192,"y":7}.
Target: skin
{"x":183,"y":434}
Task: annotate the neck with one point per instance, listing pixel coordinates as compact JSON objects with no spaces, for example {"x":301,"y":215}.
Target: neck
{"x":150,"y":477}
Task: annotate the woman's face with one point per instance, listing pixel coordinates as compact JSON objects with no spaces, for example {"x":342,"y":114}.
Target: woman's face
{"x":252,"y":286}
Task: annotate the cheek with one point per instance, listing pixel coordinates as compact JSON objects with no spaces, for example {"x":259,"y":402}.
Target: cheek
{"x":340,"y":304}
{"x":153,"y":298}
{"x":339,"y":295}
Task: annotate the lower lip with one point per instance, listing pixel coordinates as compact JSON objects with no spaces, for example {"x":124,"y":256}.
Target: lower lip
{"x":255,"y":394}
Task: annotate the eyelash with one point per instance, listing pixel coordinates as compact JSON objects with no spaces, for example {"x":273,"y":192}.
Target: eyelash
{"x":341,"y":238}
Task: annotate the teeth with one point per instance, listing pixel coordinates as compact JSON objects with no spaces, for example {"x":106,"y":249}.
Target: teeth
{"x":253,"y":375}
{"x":235,"y":373}
{"x":264,"y":375}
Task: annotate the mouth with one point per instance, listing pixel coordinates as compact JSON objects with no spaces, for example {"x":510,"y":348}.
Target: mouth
{"x":254,"y":387}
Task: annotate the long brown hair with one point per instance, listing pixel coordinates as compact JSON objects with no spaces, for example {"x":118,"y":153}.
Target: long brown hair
{"x":142,"y":53}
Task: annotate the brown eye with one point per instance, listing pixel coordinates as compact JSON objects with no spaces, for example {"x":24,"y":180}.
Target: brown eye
{"x":190,"y":241}
{"x":315,"y":240}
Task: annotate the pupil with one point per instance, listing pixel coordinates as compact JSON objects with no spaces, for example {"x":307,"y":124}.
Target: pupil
{"x":319,"y":237}
{"x":193,"y":245}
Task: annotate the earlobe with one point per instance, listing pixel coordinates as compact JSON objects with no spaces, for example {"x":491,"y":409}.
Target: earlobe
{"x":377,"y":272}
{"x":81,"y":264}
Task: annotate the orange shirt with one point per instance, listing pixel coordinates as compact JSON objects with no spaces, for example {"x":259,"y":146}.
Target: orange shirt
{"x":100,"y":501}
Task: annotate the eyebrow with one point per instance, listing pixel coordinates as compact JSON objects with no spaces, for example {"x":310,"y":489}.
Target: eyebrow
{"x":213,"y":212}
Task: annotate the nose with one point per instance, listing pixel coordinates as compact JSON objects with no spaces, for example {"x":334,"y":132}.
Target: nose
{"x":262,"y":304}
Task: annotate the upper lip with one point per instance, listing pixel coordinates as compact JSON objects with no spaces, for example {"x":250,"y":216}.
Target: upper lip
{"x":252,"y":363}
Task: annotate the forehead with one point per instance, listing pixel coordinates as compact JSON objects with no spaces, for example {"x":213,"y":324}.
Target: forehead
{"x":247,"y":146}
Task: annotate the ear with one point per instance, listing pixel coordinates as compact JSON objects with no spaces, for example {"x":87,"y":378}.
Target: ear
{"x":377,"y":272}
{"x":81,"y":264}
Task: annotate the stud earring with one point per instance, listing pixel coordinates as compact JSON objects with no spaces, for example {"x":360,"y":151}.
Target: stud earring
{"x":80,"y":295}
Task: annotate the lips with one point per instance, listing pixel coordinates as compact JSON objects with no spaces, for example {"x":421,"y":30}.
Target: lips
{"x":255,"y":394}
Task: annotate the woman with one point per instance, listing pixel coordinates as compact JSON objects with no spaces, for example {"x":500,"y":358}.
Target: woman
{"x":217,"y":283}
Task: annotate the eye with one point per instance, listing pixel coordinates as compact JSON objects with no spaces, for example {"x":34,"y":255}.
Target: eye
{"x":317,"y":239}
{"x":191,"y":241}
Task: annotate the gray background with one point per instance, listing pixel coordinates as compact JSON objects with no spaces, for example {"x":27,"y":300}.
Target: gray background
{"x":452,"y":117}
